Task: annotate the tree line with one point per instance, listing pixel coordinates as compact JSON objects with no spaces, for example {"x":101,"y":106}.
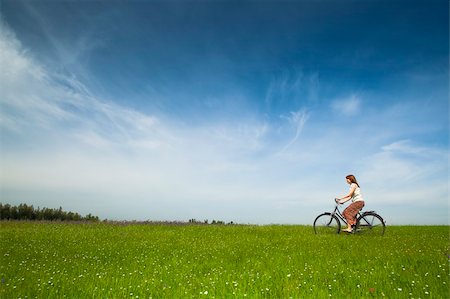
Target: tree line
{"x":26,"y":212}
{"x":214,"y":222}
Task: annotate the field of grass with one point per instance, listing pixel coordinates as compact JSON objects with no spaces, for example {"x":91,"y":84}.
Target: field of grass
{"x":69,"y":260}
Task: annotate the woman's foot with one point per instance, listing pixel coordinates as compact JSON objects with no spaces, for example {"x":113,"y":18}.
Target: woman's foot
{"x":348,"y":230}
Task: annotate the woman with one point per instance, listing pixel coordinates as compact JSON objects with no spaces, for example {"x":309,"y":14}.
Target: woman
{"x":357,"y":202}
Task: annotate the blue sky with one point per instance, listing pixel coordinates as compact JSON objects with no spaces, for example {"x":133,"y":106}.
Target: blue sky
{"x":244,"y":111}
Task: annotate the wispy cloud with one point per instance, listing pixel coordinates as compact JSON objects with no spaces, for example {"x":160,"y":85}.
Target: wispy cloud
{"x":347,"y":106}
{"x":291,"y":89}
{"x":298,"y":120}
{"x":23,"y":83}
{"x":66,"y":52}
{"x":405,"y":173}
{"x":406,"y":146}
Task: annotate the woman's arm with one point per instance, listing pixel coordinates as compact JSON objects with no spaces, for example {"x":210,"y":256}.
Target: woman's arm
{"x":349,"y":195}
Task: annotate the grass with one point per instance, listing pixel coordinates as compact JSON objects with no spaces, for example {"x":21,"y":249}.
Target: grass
{"x":68,"y":260}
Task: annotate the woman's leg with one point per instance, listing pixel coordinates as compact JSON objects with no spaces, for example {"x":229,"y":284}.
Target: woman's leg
{"x":350,"y":213}
{"x":345,"y":214}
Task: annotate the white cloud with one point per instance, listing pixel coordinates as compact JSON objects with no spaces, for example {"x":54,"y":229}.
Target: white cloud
{"x":298,"y":120}
{"x":347,"y":106}
{"x":406,"y":146}
{"x":291,"y":89}
{"x":402,"y":173}
{"x":23,"y":84}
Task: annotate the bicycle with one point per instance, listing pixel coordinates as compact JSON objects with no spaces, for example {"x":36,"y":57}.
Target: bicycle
{"x":368,"y":223}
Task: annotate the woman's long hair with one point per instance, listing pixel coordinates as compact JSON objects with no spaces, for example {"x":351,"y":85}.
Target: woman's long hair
{"x":352,"y":179}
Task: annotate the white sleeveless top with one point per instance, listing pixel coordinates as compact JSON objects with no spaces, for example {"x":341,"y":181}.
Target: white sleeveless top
{"x":357,"y":194}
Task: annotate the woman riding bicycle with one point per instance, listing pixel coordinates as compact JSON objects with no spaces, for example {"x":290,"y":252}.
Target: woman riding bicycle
{"x":357,"y":202}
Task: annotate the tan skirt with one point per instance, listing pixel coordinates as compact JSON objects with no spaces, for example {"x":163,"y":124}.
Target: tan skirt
{"x":351,"y":211}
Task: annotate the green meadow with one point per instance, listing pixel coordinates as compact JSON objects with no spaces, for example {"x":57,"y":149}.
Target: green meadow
{"x":100,"y":260}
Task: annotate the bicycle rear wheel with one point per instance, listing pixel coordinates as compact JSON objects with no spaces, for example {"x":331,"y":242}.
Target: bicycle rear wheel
{"x":370,"y":224}
{"x":326,"y":224}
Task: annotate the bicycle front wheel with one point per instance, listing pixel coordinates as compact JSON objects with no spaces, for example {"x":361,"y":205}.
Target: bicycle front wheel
{"x":326,"y":224}
{"x":370,"y":224}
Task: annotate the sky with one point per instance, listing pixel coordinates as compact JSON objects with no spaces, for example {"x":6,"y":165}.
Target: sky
{"x":244,"y":111}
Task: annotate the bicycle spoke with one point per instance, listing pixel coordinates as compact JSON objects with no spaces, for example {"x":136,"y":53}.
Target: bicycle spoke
{"x":326,"y":224}
{"x":371,"y":223}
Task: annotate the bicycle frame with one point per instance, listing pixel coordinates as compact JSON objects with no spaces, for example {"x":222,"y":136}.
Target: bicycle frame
{"x":338,"y":214}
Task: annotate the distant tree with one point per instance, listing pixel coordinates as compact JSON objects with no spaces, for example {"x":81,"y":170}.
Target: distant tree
{"x":26,"y":212}
{"x":39,"y":214}
{"x":14,"y":213}
{"x":90,"y":217}
{"x":2,"y":212}
{"x":5,"y":211}
{"x":59,"y":214}
{"x":77,"y":217}
{"x":217,"y":222}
